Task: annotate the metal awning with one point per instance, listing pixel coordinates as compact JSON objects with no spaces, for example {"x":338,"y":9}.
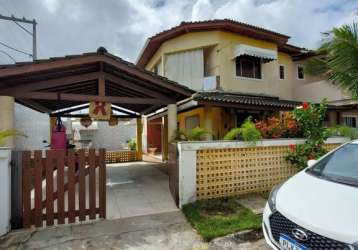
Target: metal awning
{"x":242,"y":49}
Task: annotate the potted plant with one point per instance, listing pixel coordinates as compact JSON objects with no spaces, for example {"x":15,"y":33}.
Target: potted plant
{"x":152,"y":149}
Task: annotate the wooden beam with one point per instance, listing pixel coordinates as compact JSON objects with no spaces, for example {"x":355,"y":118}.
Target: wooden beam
{"x":101,"y":82}
{"x":70,"y":110}
{"x":86,"y":115}
{"x":130,"y":85}
{"x":119,"y":109}
{"x":61,"y":63}
{"x":88,"y":98}
{"x":34,"y":105}
{"x":63,"y":81}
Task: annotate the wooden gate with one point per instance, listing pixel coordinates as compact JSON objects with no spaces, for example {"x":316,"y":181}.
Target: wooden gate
{"x":62,"y":186}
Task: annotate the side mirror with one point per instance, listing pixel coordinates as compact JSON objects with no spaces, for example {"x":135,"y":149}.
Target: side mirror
{"x":310,"y":163}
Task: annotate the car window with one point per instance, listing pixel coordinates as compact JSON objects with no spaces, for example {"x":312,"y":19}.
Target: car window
{"x":341,"y":165}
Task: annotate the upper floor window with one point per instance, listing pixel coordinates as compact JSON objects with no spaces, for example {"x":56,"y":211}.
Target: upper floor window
{"x":248,"y":66}
{"x":282,"y":72}
{"x":300,"y":72}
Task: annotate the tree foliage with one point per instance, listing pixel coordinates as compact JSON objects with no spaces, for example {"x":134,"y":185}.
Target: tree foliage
{"x":337,"y":58}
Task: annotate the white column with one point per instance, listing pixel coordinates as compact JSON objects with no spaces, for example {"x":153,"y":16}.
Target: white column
{"x":172,"y":121}
{"x":7,"y":117}
{"x":144,"y":134}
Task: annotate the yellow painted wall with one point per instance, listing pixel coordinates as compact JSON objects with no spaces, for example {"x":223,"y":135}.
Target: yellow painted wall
{"x":218,"y":50}
{"x":214,"y":119}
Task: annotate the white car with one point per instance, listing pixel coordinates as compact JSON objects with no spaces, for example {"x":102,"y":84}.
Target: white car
{"x":318,"y":207}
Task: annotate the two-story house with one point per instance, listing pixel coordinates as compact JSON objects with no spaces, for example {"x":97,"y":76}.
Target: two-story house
{"x":238,"y":70}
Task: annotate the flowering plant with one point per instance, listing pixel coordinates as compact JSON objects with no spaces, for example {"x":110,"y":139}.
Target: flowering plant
{"x":274,"y":127}
{"x":310,"y":120}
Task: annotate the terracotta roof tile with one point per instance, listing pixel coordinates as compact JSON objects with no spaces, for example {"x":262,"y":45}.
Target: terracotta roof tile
{"x":245,"y":99}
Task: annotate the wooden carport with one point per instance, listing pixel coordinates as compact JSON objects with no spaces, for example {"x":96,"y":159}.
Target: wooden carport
{"x":58,"y":85}
{"x":61,"y":86}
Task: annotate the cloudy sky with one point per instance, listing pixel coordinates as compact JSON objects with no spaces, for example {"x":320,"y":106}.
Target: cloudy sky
{"x":122,"y":26}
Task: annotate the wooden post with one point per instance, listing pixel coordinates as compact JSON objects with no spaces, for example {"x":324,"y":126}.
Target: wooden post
{"x":16,"y":190}
{"x":139,"y":138}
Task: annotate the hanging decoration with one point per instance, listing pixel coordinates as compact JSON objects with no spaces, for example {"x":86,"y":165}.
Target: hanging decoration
{"x":86,"y":121}
{"x":100,"y":110}
{"x":113,"y":121}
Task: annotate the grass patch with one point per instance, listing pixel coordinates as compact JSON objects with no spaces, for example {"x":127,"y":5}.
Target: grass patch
{"x":218,"y":217}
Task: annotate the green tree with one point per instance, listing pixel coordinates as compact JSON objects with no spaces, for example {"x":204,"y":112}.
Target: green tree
{"x":337,"y":58}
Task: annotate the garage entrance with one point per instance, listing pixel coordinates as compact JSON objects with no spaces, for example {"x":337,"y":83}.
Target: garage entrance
{"x":61,"y":86}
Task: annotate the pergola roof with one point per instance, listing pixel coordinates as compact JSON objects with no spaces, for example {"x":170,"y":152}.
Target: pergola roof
{"x":63,"y":82}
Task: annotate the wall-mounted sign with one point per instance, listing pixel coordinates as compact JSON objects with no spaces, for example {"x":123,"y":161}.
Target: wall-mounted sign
{"x":100,"y":110}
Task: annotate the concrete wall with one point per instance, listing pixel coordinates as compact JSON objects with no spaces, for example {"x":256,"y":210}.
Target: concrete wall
{"x":187,"y":161}
{"x":34,"y":124}
{"x":113,"y":138}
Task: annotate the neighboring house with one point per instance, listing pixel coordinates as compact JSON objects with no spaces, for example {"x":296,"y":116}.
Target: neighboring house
{"x":238,"y":70}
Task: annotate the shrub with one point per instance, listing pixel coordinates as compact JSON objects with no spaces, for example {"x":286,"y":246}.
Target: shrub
{"x":274,"y":127}
{"x":310,"y":119}
{"x":233,"y":134}
{"x":247,"y":132}
{"x":343,"y":130}
{"x":196,"y":134}
{"x":132,"y":144}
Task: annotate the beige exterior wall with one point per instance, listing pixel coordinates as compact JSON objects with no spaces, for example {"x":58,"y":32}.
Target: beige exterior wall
{"x":218,"y":49}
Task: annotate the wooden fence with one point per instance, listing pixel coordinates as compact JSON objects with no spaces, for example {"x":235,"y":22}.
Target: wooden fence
{"x":62,"y":186}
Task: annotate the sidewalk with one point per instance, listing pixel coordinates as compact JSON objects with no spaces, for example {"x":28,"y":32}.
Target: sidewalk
{"x":152,"y":232}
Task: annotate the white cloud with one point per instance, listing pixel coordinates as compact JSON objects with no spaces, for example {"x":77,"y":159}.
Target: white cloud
{"x":122,"y":26}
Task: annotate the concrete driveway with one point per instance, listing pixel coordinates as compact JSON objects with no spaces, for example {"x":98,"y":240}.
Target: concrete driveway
{"x":157,"y":231}
{"x":137,"y":188}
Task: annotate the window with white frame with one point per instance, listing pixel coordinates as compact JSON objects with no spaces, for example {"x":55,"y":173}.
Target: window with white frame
{"x":248,"y":66}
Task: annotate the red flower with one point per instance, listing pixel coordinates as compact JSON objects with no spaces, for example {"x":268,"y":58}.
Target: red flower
{"x":306,"y":105}
{"x":293,"y":147}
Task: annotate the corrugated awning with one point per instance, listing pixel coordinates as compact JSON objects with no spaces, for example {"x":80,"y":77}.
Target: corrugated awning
{"x":241,"y":49}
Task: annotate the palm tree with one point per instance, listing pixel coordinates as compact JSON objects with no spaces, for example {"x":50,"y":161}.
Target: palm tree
{"x":337,"y":58}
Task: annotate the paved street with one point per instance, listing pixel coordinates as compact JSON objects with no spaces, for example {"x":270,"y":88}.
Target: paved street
{"x":153,"y":232}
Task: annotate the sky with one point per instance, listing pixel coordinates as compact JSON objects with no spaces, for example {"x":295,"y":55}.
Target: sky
{"x":122,"y":26}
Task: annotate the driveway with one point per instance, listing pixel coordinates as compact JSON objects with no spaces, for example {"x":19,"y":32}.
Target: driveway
{"x":157,"y":231}
{"x":137,"y":188}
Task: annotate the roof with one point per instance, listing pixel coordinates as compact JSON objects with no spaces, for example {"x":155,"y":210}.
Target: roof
{"x":62,"y":82}
{"x":244,"y":100}
{"x":154,"y":42}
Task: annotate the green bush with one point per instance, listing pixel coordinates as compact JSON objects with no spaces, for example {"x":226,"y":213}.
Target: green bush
{"x":310,"y":118}
{"x":343,"y":130}
{"x":132,"y":144}
{"x":249,"y":132}
{"x":233,"y":134}
{"x":196,"y":134}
